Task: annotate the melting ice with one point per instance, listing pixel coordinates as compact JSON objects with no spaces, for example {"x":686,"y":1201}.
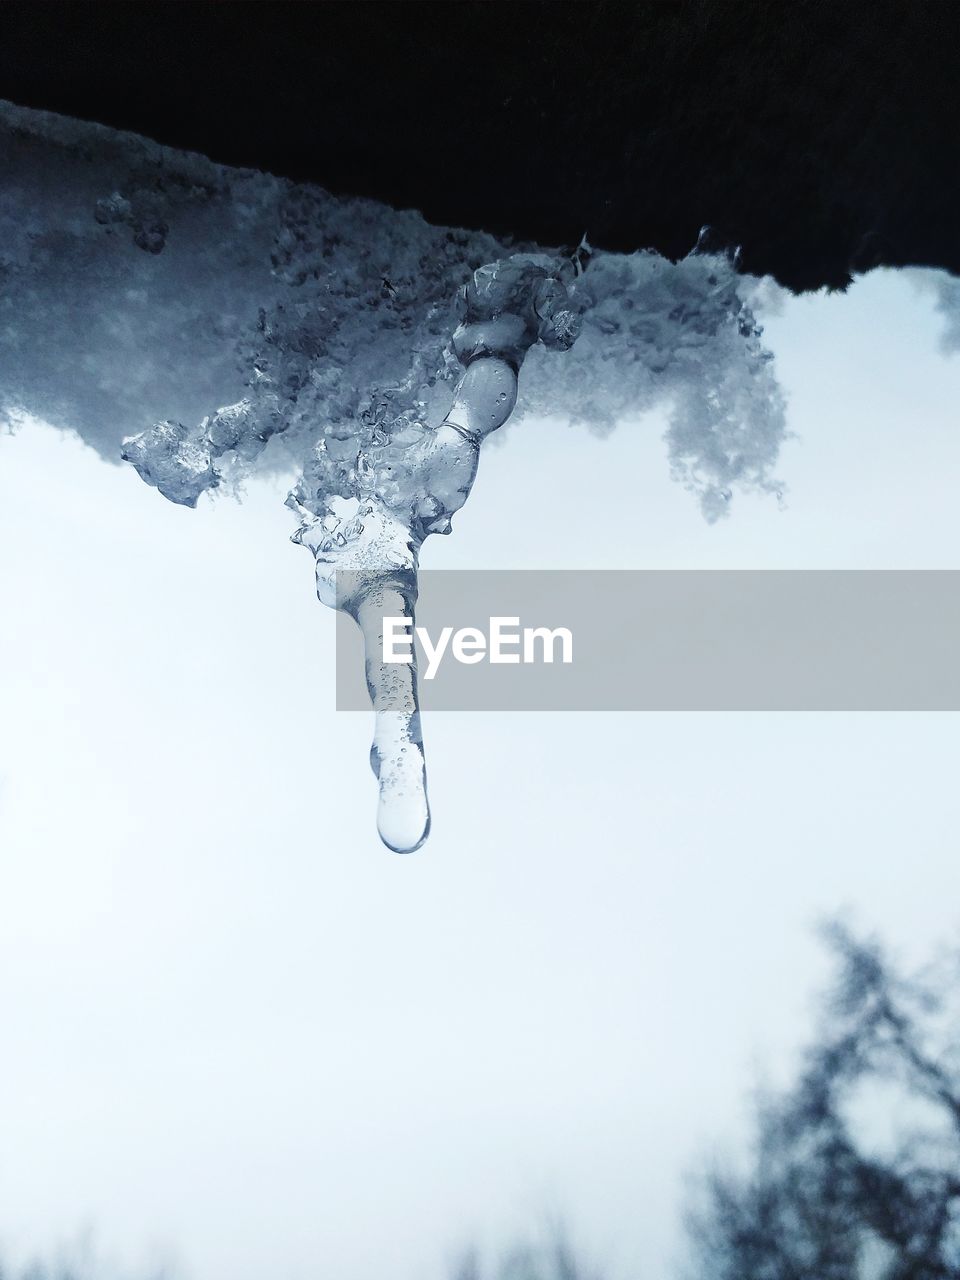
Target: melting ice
{"x":141,"y":287}
{"x":409,"y":479}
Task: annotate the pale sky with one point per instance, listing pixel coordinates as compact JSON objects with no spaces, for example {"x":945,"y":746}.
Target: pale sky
{"x":240,"y":1035}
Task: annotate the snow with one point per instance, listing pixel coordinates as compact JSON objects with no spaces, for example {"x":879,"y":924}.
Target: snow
{"x":255,"y":317}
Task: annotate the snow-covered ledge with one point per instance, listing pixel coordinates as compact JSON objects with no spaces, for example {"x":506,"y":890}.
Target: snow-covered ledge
{"x":200,"y":322}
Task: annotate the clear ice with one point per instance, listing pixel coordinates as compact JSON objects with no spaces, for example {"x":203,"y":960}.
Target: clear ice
{"x":405,"y":480}
{"x":141,"y":287}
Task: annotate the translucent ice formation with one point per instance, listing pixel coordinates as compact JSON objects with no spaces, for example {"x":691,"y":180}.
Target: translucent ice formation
{"x":141,"y":288}
{"x":368,"y":501}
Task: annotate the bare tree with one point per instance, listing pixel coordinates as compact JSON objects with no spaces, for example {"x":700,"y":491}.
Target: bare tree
{"x":827,"y":1198}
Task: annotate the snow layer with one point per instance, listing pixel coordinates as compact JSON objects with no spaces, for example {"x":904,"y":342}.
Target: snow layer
{"x":242,"y":320}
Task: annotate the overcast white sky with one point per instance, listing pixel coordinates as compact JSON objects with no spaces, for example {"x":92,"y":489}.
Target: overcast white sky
{"x":239,"y":1034}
